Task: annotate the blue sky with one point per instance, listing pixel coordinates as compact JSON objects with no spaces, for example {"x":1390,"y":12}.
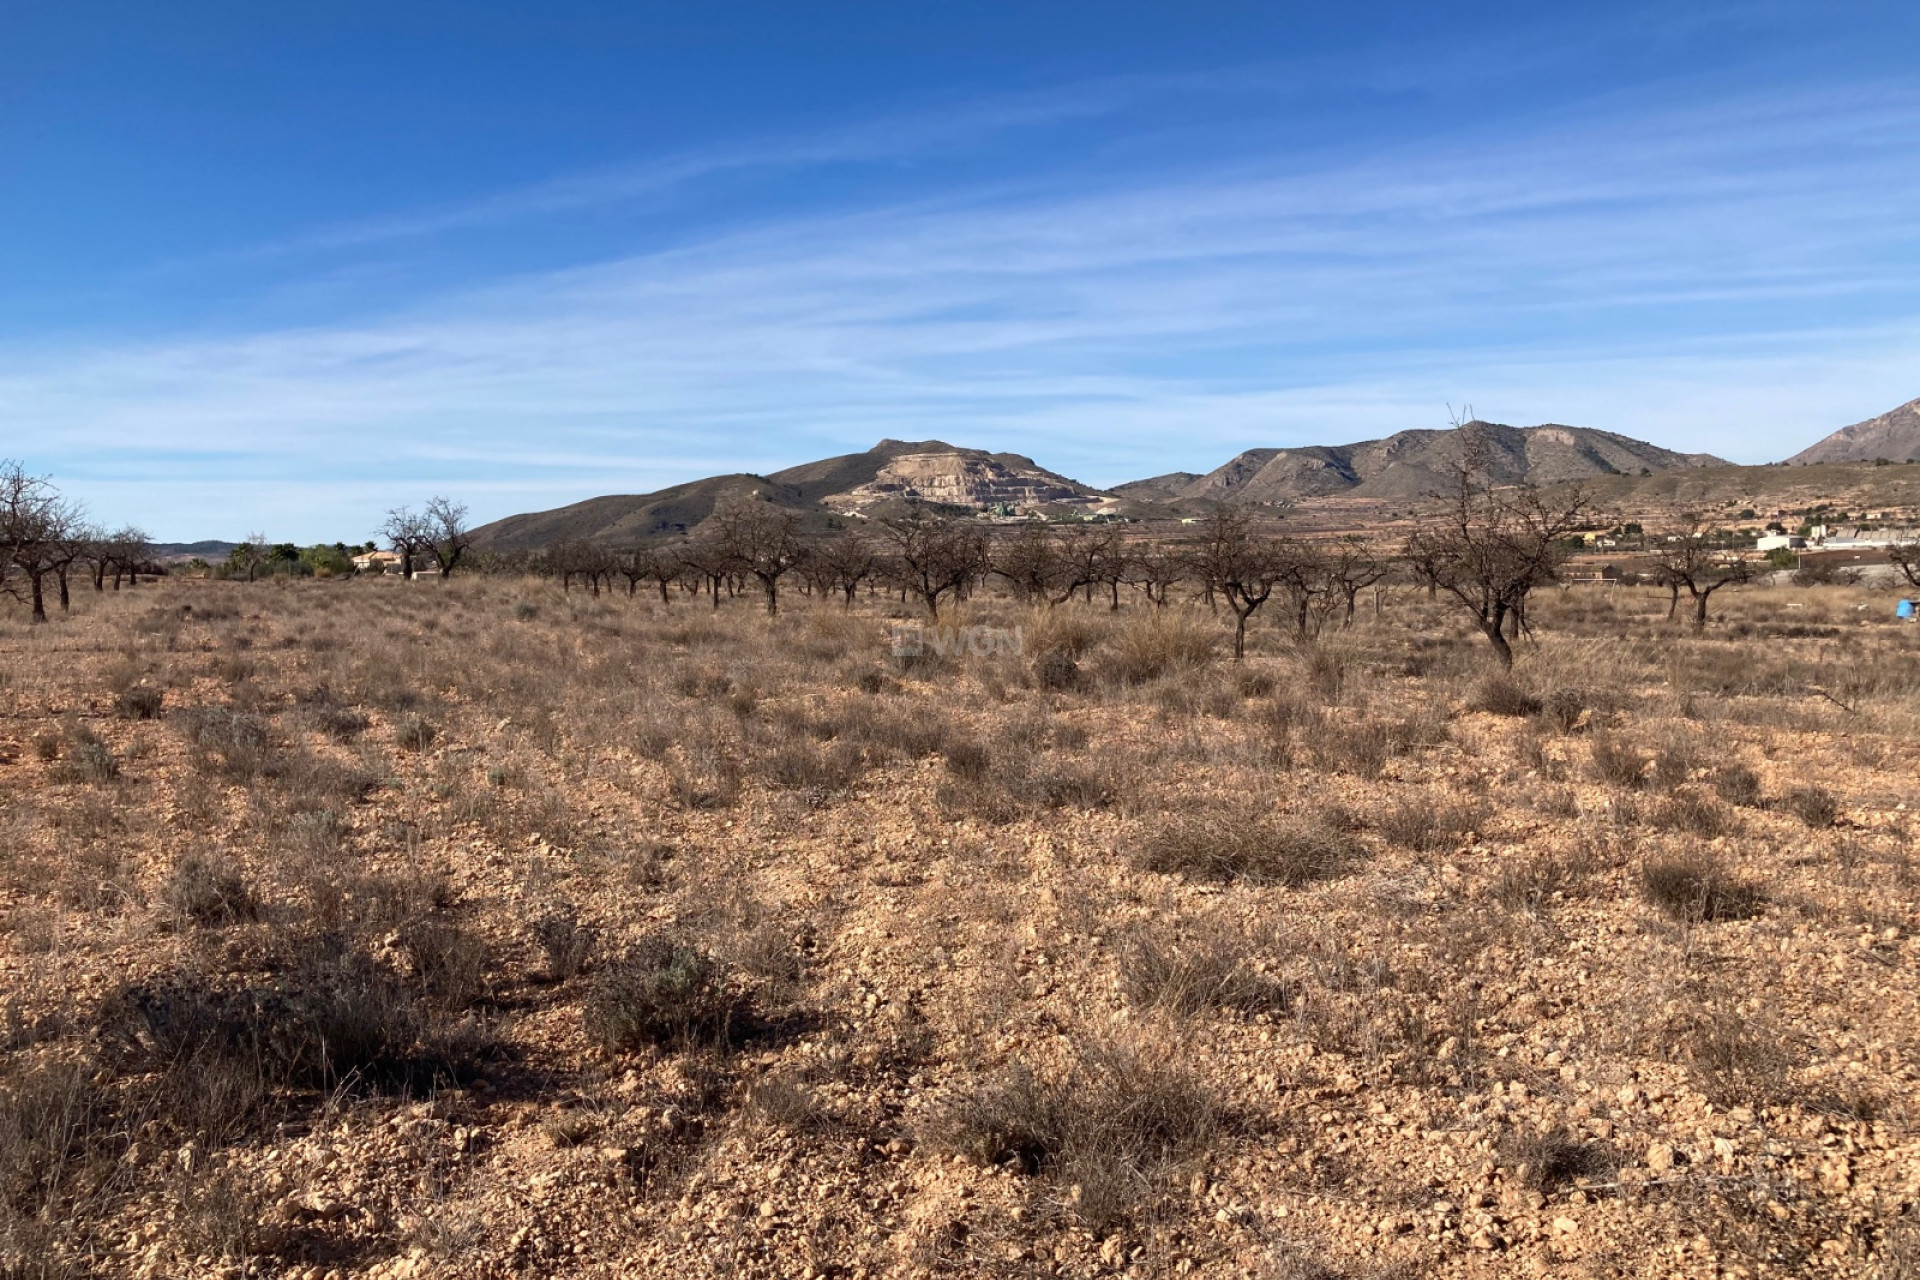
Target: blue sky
{"x":282,"y":267}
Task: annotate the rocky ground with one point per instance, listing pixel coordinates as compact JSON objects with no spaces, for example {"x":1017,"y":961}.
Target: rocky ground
{"x":371,"y":929}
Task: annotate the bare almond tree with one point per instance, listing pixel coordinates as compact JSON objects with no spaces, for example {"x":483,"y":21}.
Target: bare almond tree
{"x":444,"y":524}
{"x":409,"y":534}
{"x":1904,"y":555}
{"x":1489,"y":547}
{"x":253,"y":553}
{"x":1154,"y":569}
{"x":842,"y":561}
{"x":1352,"y":565}
{"x":1031,"y":560}
{"x":36,"y":526}
{"x":932,"y":556}
{"x":1240,"y":562}
{"x":761,"y":539}
{"x":1697,"y":560}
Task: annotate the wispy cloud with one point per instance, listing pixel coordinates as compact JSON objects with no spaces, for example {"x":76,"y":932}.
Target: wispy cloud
{"x":1733,"y":277}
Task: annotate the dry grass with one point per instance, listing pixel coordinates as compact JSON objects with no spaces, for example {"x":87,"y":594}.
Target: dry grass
{"x":547,"y":933}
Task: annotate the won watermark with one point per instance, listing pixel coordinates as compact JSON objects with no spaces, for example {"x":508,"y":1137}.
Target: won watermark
{"x":914,"y":639}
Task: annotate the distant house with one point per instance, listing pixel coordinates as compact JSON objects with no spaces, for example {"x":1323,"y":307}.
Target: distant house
{"x":377,"y":562}
{"x":1780,"y":542}
{"x":1601,"y":575}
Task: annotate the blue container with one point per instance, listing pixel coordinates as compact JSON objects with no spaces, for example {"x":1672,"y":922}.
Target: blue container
{"x":1904,"y":610}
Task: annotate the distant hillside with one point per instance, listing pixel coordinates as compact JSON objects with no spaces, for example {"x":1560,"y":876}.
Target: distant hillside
{"x":626,"y":519}
{"x":1894,"y":435}
{"x":1410,"y":464}
{"x":892,"y":471}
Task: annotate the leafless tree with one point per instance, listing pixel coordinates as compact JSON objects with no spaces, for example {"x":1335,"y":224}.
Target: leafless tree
{"x":253,"y":554}
{"x":36,"y":524}
{"x":1905,"y":556}
{"x":1107,"y":562}
{"x":127,"y":550}
{"x":932,"y":556}
{"x":444,"y":524}
{"x":761,"y":539}
{"x":710,"y":560}
{"x":1029,"y":557}
{"x":1696,"y":560}
{"x":1352,"y":566}
{"x":1155,"y":569}
{"x":408,"y":533}
{"x":842,"y":561}
{"x":1241,"y":563}
{"x":593,"y":565}
{"x":653,"y":563}
{"x":1489,"y":547}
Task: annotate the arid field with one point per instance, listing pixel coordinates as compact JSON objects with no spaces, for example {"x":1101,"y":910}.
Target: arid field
{"x":362,"y":928}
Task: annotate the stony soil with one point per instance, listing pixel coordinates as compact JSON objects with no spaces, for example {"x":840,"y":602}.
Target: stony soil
{"x":1106,"y":957}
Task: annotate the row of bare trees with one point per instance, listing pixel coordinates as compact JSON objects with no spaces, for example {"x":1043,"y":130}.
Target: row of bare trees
{"x":45,"y":538}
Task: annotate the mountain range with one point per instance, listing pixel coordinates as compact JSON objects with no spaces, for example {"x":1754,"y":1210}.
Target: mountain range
{"x":1409,"y":464}
{"x":1894,"y":435}
{"x":1405,"y":465}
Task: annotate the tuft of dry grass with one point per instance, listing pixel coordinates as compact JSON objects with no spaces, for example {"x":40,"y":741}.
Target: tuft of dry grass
{"x":1696,"y":887}
{"x":1110,"y":1131}
{"x":208,"y":891}
{"x":1247,"y":844}
{"x":664,"y":992}
{"x":1813,"y":805}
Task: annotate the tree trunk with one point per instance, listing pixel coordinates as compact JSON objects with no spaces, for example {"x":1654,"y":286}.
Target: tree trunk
{"x":1700,"y":609}
{"x":664,"y":600}
{"x":1496,"y":629}
{"x":1240,"y":636}
{"x":39,"y":599}
{"x":66,"y":603}
{"x":1673,"y":599}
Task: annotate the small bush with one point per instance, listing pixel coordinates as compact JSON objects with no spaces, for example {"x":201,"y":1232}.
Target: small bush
{"x":1547,"y":1161}
{"x":1737,"y":1060}
{"x":1056,"y":670}
{"x":86,"y":758}
{"x":1427,"y":827}
{"x":783,"y":1101}
{"x":799,"y":766}
{"x":208,"y":891}
{"x":141,"y":702}
{"x":1497,"y":694}
{"x":566,"y":945}
{"x":229,"y":742}
{"x":1114,"y":1129}
{"x":1157,"y":646}
{"x":969,"y":759}
{"x":1361,"y":749}
{"x":525,"y":610}
{"x":449,"y":963}
{"x":1618,"y":764}
{"x":1814,"y":806}
{"x":1695,"y":887}
{"x":341,"y":724}
{"x":1563,"y":708}
{"x":414,"y":732}
{"x":1249,"y":845}
{"x":1738,"y":785}
{"x":1208,"y":971}
{"x":666,"y":993}
{"x":1692,"y":814}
